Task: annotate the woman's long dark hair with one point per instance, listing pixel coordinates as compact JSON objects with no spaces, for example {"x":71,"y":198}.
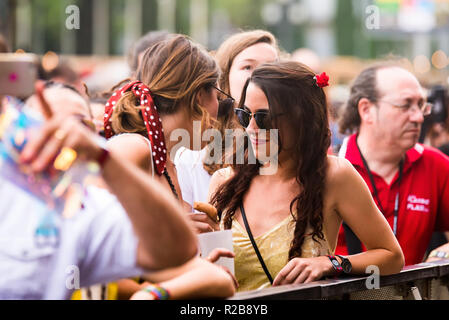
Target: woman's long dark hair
{"x":291,"y":92}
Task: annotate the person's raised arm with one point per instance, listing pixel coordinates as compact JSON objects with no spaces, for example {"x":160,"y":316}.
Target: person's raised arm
{"x":165,"y":236}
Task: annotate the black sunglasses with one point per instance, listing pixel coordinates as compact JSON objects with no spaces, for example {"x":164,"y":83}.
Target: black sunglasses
{"x":262,"y":117}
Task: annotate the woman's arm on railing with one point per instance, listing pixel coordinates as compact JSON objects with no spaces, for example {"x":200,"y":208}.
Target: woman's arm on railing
{"x":356,"y":207}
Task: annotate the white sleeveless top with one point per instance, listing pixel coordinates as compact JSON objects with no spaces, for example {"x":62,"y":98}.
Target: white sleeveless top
{"x":193,"y":179}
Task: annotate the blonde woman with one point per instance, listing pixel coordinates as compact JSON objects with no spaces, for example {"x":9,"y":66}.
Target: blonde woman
{"x":237,"y":57}
{"x":175,"y":87}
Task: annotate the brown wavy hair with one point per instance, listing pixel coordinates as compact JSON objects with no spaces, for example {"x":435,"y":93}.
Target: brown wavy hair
{"x":175,"y":70}
{"x":225,"y":56}
{"x":291,"y":92}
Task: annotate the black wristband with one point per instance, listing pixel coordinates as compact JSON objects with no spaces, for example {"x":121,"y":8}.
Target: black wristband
{"x":335,"y":264}
{"x":345,"y":264}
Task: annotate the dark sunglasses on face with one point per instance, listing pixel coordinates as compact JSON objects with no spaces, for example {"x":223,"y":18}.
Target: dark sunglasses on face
{"x":225,"y":106}
{"x":262,"y":118}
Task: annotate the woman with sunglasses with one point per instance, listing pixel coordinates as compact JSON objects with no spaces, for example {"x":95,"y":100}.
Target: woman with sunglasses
{"x":285,"y":224}
{"x":175,"y":87}
{"x":237,"y":57}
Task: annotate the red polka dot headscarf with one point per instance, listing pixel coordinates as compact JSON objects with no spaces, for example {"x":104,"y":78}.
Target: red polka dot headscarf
{"x":150,"y":117}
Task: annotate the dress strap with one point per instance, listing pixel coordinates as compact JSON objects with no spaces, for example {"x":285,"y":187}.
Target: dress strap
{"x":253,"y":242}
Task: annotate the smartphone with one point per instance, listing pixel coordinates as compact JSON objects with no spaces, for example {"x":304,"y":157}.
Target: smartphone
{"x":18,"y":74}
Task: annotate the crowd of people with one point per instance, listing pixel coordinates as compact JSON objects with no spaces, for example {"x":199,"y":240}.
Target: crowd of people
{"x":298,"y":212}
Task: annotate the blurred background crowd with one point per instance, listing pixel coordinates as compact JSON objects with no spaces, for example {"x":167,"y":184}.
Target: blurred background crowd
{"x":338,"y":36}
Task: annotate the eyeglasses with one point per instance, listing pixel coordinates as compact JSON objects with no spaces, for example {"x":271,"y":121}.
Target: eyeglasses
{"x":225,"y":105}
{"x":262,"y":117}
{"x":424,"y":107}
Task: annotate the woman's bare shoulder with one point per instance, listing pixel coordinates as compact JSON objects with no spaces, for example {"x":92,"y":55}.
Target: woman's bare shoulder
{"x":344,"y":181}
{"x":338,"y":169}
{"x":133,"y":147}
{"x":125,"y":138}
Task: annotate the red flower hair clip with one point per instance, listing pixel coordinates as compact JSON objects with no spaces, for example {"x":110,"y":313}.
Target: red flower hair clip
{"x":322,"y":80}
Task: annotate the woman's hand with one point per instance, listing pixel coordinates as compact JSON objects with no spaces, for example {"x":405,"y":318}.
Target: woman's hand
{"x":304,"y":270}
{"x":207,"y":220}
{"x":218,"y":253}
{"x":203,"y":223}
{"x":46,"y":143}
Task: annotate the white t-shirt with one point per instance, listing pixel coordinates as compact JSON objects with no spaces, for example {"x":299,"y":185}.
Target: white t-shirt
{"x":193,"y":179}
{"x":97,"y":245}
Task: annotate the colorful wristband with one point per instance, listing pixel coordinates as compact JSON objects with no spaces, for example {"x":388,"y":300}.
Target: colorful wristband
{"x":158,"y":292}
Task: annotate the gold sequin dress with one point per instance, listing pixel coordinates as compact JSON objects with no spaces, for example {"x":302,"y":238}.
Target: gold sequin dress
{"x":273,"y":246}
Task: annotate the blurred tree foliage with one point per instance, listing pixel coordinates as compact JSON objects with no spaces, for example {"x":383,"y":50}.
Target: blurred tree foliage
{"x":116,"y":26}
{"x":245,"y":14}
{"x":47,"y":23}
{"x":225,"y":17}
{"x":48,"y":18}
{"x":183,"y":16}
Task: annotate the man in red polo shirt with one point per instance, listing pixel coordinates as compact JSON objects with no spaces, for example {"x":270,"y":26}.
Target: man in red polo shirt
{"x":408,"y":181}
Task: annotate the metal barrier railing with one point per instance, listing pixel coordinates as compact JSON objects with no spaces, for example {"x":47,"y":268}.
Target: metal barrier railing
{"x":428,"y":281}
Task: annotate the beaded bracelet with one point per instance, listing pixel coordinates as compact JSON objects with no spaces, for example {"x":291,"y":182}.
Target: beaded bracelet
{"x":158,"y":292}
